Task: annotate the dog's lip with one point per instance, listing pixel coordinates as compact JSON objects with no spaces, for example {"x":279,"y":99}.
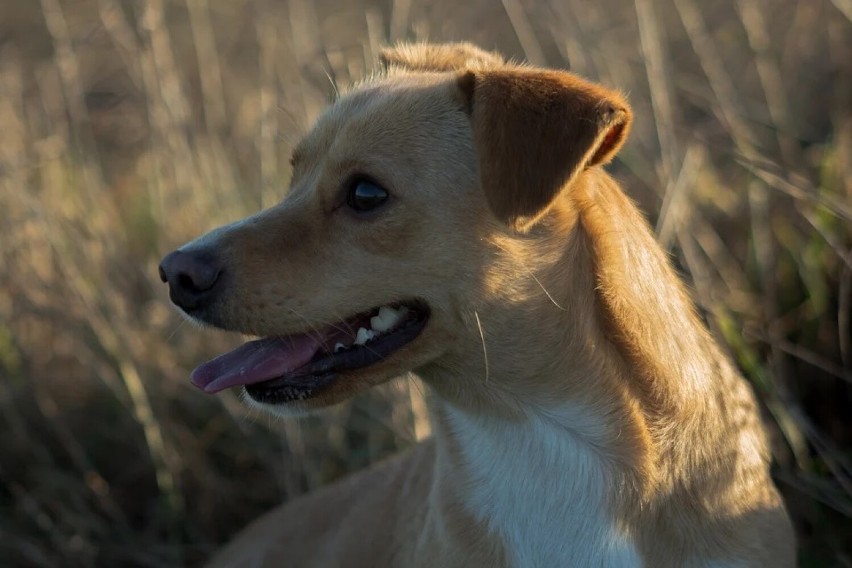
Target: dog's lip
{"x":285,"y":363}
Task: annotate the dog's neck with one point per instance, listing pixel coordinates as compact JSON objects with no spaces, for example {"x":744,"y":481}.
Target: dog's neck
{"x":536,"y":486}
{"x":502,"y":448}
{"x":591,"y":411}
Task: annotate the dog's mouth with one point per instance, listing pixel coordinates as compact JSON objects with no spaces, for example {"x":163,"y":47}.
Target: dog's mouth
{"x":295,"y":367}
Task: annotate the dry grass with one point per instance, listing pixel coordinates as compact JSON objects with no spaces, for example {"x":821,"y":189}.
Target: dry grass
{"x":129,"y":127}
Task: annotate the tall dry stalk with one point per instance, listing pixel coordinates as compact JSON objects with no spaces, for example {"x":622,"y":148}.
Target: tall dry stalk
{"x":129,"y":128}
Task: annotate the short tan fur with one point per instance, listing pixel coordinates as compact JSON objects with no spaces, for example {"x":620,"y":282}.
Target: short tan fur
{"x":583,"y":414}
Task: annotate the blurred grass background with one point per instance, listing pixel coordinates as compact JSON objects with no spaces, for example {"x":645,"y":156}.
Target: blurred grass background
{"x":129,"y":127}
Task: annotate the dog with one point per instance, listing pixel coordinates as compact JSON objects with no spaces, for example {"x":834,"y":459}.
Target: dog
{"x":451,"y":216}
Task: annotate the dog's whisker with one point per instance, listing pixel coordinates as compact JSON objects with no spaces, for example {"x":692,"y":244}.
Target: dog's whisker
{"x":534,"y":277}
{"x":176,"y":329}
{"x":546,"y":293}
{"x":317,"y":330}
{"x":333,"y":81}
{"x":342,"y":321}
{"x":484,"y":349}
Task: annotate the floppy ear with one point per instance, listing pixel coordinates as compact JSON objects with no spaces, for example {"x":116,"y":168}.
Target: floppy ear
{"x":438,"y":57}
{"x":534,"y":131}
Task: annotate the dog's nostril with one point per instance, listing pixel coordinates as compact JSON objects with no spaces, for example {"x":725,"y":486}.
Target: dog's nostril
{"x":163,"y":276}
{"x":199,"y":275}
{"x":186,"y":282}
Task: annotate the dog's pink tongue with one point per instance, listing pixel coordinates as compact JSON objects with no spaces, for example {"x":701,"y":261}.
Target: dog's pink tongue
{"x":255,"y":362}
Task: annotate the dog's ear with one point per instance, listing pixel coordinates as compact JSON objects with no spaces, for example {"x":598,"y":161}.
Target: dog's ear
{"x":438,"y":57}
{"x":534,"y":131}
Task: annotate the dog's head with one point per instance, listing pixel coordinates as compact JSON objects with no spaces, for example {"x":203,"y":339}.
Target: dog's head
{"x":369,"y":267}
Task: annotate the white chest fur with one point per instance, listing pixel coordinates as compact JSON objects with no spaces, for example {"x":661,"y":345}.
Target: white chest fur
{"x":542,"y":490}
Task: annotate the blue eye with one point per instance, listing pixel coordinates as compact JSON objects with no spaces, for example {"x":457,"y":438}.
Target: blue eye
{"x":365,"y":195}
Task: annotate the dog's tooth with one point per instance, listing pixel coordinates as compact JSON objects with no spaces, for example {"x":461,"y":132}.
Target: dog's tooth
{"x":388,"y":317}
{"x":363,"y":336}
{"x":339,"y":347}
{"x":377,"y":323}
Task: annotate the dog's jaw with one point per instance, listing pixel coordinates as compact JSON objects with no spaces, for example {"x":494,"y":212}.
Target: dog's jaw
{"x":304,"y":370}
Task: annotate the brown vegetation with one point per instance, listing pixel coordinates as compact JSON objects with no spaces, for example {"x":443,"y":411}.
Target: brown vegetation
{"x":129,"y":127}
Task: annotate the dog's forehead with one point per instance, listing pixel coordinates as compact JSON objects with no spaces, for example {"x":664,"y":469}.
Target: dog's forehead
{"x":386,"y":106}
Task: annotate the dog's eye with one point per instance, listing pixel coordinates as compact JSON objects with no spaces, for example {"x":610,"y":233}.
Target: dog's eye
{"x":365,"y":195}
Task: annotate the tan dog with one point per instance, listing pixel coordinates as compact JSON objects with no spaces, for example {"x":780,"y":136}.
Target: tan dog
{"x":584,"y":416}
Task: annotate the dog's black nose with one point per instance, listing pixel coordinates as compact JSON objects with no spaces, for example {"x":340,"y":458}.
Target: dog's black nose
{"x":191,"y":277}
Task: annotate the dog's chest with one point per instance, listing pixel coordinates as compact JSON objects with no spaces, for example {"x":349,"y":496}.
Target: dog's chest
{"x":542,"y":491}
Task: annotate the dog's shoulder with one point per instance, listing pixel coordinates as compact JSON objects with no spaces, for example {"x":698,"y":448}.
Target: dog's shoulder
{"x":342,"y":516}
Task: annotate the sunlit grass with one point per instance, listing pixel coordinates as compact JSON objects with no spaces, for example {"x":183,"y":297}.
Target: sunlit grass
{"x":129,"y":128}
